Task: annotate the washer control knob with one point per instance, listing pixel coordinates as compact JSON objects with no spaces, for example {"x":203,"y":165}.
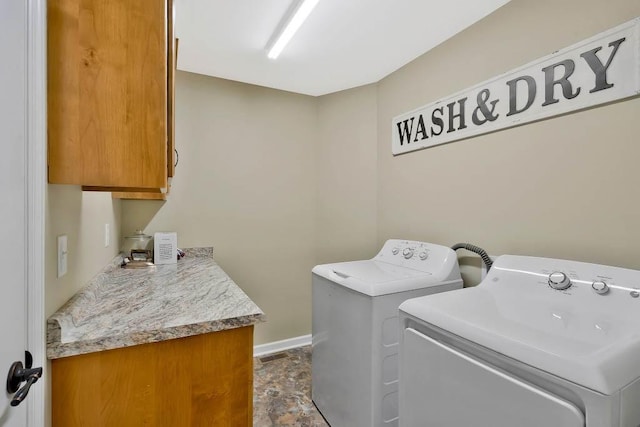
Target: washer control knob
{"x":407,"y":253}
{"x":600,"y":287}
{"x":423,"y":255}
{"x":395,"y":250}
{"x":558,"y":280}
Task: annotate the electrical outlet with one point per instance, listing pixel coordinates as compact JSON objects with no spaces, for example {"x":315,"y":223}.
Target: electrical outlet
{"x":62,"y":255}
{"x":107,"y":235}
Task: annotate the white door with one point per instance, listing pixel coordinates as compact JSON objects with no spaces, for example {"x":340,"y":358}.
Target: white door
{"x":13,"y":318}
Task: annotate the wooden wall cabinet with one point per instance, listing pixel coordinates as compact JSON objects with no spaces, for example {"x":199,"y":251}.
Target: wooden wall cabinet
{"x":110,"y":94}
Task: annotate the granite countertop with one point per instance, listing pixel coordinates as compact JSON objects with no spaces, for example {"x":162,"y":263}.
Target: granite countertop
{"x":124,"y":307}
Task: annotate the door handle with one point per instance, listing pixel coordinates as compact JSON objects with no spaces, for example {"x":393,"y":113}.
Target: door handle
{"x":16,"y":376}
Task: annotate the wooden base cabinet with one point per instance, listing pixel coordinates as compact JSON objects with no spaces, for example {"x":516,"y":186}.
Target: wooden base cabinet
{"x":203,"y":380}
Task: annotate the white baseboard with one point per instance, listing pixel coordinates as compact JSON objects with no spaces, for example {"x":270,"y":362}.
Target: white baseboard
{"x":276,"y":346}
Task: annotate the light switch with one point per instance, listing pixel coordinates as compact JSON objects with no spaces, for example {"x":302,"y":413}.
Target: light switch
{"x":62,"y":255}
{"x":107,"y":235}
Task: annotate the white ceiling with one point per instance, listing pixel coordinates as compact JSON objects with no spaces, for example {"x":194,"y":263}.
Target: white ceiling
{"x":343,"y":43}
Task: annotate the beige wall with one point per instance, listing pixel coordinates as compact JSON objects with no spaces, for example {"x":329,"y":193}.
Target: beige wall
{"x":564,"y":187}
{"x":276,"y":182}
{"x":81,"y":216}
{"x":346,"y":215}
{"x":245,"y":185}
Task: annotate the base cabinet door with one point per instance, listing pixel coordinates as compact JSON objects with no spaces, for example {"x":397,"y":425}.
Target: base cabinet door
{"x":203,"y":380}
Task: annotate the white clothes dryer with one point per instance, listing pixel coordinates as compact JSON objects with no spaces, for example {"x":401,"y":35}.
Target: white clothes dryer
{"x":356,"y":328}
{"x":540,"y":342}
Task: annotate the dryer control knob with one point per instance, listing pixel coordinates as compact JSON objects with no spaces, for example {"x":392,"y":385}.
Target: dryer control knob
{"x":407,"y":253}
{"x":423,"y":255}
{"x":558,"y":280}
{"x":395,"y":250}
{"x":600,"y":287}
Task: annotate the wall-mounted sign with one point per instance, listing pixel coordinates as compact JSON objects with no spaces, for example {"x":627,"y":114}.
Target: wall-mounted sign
{"x":601,"y":69}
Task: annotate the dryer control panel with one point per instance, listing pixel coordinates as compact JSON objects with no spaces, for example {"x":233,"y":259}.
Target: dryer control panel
{"x":569,"y":278}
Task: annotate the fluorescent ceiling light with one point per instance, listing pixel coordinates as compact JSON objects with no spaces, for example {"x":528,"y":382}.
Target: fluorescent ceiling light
{"x":301,"y":13}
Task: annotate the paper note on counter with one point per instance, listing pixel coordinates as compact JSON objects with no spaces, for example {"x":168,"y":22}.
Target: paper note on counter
{"x":165,"y":248}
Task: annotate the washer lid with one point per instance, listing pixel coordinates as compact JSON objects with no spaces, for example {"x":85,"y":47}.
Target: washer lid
{"x":375,"y":278}
{"x":578,"y":335}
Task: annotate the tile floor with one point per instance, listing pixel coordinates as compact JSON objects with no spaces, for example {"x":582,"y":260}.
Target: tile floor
{"x":282,"y":390}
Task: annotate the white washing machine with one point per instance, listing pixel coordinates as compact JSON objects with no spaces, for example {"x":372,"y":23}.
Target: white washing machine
{"x":356,"y":328}
{"x":540,"y":342}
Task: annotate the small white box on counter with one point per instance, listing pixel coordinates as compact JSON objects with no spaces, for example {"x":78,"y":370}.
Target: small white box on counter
{"x":165,"y":248}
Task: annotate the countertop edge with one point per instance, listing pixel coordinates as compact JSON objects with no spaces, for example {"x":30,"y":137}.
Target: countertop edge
{"x":59,"y":350}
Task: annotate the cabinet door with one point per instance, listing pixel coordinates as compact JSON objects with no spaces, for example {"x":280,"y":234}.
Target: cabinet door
{"x":201,"y":380}
{"x":172,"y":159}
{"x":107,"y":85}
{"x":172,"y":63}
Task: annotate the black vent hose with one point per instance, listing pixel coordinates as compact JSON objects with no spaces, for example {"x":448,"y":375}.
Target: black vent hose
{"x":473,"y":248}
